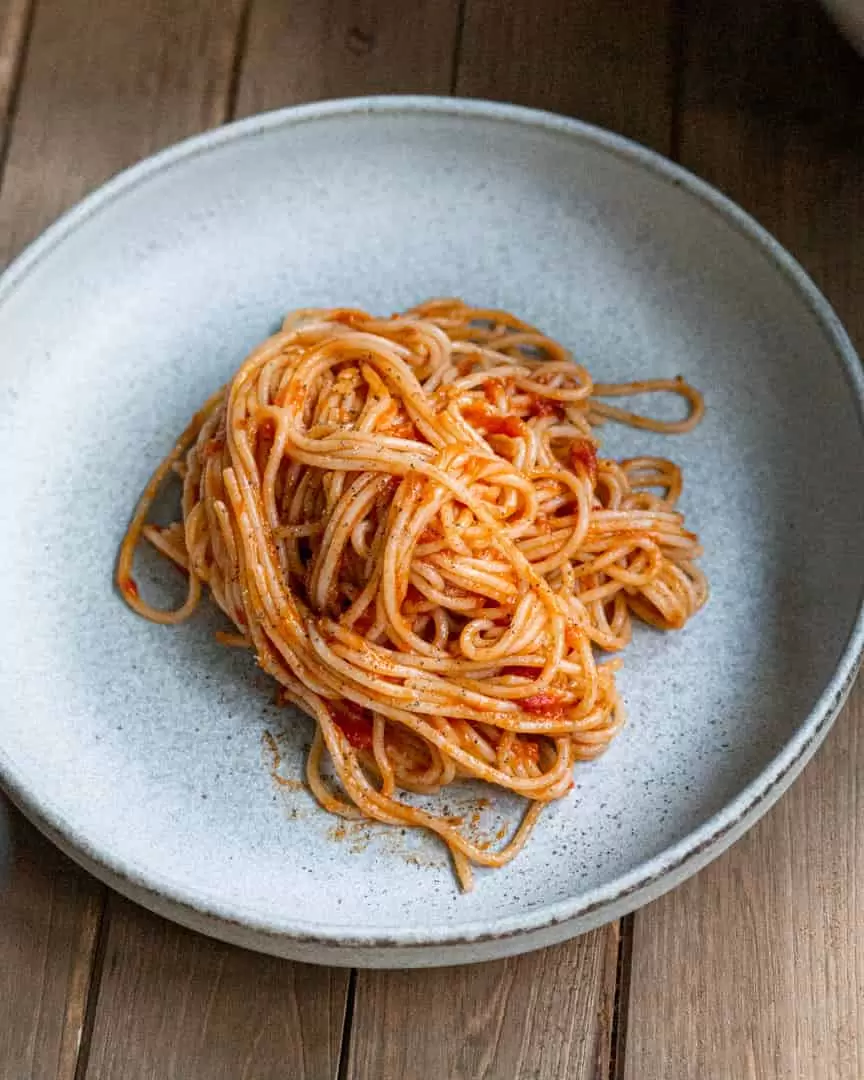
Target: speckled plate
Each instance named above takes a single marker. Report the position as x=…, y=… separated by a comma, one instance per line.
x=154, y=756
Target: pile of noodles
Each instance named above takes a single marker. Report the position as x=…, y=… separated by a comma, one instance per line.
x=408, y=521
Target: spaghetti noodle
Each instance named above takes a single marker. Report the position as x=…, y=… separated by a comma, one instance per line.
x=407, y=520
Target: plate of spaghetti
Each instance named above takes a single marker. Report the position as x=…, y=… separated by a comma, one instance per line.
x=433, y=529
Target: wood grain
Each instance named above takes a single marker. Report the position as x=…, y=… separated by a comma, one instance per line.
x=49, y=919
x=755, y=969
x=610, y=63
x=177, y=1006
x=547, y=1014
x=301, y=50
x=104, y=84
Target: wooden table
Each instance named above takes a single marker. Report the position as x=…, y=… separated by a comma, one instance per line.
x=755, y=968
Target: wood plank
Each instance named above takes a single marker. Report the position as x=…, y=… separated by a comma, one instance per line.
x=201, y=1008
x=50, y=913
x=179, y=1006
x=268, y=1013
x=105, y=84
x=547, y=1014
x=755, y=968
x=609, y=64
x=14, y=23
x=301, y=50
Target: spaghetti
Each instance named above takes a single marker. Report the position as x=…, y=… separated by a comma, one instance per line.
x=407, y=520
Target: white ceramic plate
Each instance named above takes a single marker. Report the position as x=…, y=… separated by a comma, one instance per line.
x=139, y=749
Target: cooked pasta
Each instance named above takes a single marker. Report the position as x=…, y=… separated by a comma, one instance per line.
x=408, y=521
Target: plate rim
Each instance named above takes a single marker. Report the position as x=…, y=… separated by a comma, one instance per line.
x=649, y=878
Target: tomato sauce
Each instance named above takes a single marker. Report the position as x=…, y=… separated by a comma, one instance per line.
x=354, y=722
x=527, y=751
x=583, y=454
x=545, y=701
x=493, y=423
x=130, y=588
x=541, y=406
